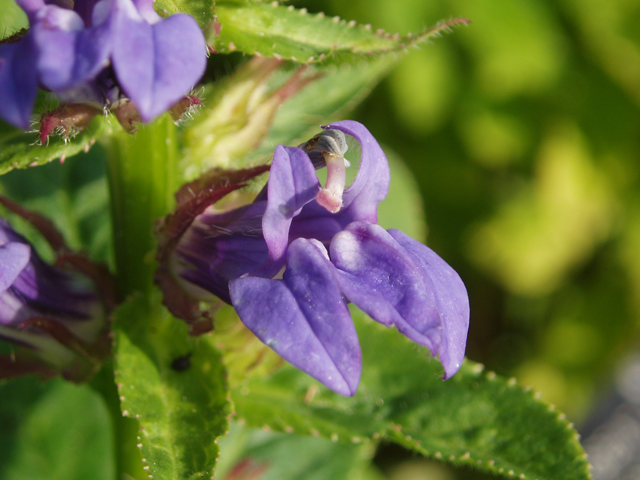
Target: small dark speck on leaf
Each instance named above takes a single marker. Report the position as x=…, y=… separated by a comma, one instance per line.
x=182, y=363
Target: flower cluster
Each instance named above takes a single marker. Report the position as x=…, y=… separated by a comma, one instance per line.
x=100, y=53
x=291, y=261
x=55, y=315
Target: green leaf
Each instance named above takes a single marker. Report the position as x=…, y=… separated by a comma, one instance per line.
x=278, y=456
x=475, y=418
x=181, y=405
x=201, y=10
x=19, y=149
x=57, y=431
x=273, y=30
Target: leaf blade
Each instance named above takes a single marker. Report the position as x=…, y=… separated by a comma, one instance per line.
x=474, y=419
x=182, y=406
x=273, y=30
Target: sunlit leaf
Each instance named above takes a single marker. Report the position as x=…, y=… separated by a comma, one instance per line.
x=273, y=30
x=201, y=10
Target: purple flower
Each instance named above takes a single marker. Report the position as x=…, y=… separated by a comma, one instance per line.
x=100, y=52
x=326, y=242
x=56, y=315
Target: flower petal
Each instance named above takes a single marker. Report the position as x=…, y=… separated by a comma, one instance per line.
x=18, y=81
x=371, y=185
x=218, y=248
x=157, y=64
x=360, y=200
x=30, y=7
x=292, y=184
x=380, y=276
x=14, y=257
x=69, y=54
x=304, y=317
x=451, y=299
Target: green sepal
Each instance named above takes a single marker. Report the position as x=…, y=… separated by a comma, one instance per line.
x=278, y=31
x=19, y=149
x=174, y=386
x=475, y=418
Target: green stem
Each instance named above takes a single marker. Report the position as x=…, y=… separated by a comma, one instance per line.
x=143, y=177
x=142, y=171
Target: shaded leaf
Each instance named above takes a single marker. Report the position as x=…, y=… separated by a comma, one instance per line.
x=277, y=456
x=336, y=91
x=174, y=386
x=74, y=195
x=55, y=411
x=474, y=418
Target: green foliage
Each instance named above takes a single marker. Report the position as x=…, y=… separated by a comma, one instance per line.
x=74, y=195
x=531, y=194
x=337, y=91
x=277, y=456
x=244, y=116
x=21, y=150
x=201, y=10
x=520, y=132
x=181, y=411
x=56, y=431
x=273, y=30
x=475, y=418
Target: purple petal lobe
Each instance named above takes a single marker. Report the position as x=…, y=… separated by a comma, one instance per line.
x=14, y=257
x=69, y=54
x=371, y=184
x=18, y=81
x=30, y=7
x=450, y=296
x=304, y=317
x=157, y=64
x=360, y=200
x=145, y=7
x=378, y=275
x=292, y=184
x=218, y=248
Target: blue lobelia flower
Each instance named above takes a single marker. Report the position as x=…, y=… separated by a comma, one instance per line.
x=291, y=261
x=55, y=315
x=100, y=52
